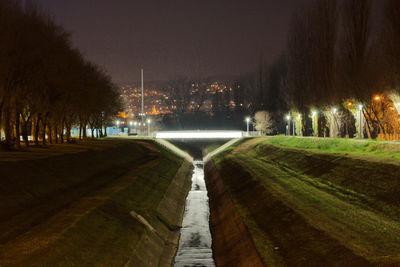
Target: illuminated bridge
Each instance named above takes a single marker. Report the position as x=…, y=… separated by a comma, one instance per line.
x=201, y=134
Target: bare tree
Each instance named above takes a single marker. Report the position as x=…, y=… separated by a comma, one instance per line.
x=264, y=122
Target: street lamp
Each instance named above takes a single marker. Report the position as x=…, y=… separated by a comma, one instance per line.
x=248, y=121
x=360, y=107
x=288, y=124
x=148, y=127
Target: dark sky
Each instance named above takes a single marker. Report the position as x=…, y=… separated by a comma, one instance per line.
x=175, y=37
x=172, y=37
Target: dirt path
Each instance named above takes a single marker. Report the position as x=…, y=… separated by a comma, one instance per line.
x=248, y=145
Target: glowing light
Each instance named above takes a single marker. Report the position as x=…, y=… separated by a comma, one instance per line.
x=148, y=121
x=117, y=122
x=360, y=107
x=199, y=134
x=248, y=119
x=334, y=111
x=314, y=113
x=299, y=116
x=288, y=117
x=130, y=123
x=349, y=104
x=377, y=98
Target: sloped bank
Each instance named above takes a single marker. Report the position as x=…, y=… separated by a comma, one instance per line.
x=232, y=244
x=306, y=208
x=157, y=247
x=119, y=205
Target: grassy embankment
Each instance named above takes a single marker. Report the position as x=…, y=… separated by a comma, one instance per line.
x=90, y=204
x=310, y=202
x=354, y=147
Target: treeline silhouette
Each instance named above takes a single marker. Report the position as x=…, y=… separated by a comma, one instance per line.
x=341, y=68
x=46, y=86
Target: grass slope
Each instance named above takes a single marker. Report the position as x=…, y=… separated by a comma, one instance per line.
x=371, y=148
x=75, y=208
x=306, y=208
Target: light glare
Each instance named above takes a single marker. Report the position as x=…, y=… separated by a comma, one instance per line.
x=199, y=135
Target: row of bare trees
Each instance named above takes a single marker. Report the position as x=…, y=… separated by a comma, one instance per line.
x=340, y=63
x=340, y=73
x=46, y=86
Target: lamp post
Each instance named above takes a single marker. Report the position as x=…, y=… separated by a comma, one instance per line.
x=288, y=125
x=248, y=121
x=360, y=110
x=148, y=127
x=293, y=121
x=135, y=123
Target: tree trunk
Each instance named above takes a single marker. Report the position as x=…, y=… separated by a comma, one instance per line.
x=44, y=132
x=7, y=126
x=62, y=131
x=56, y=132
x=68, y=129
x=25, y=134
x=17, y=130
x=84, y=134
x=368, y=120
x=37, y=125
x=50, y=133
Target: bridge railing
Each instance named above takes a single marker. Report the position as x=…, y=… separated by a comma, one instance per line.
x=251, y=133
x=199, y=134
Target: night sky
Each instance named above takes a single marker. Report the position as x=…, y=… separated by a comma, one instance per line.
x=169, y=38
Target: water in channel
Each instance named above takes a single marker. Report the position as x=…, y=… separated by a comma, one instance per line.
x=195, y=241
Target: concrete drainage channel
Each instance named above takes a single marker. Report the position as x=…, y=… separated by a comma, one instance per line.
x=195, y=241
